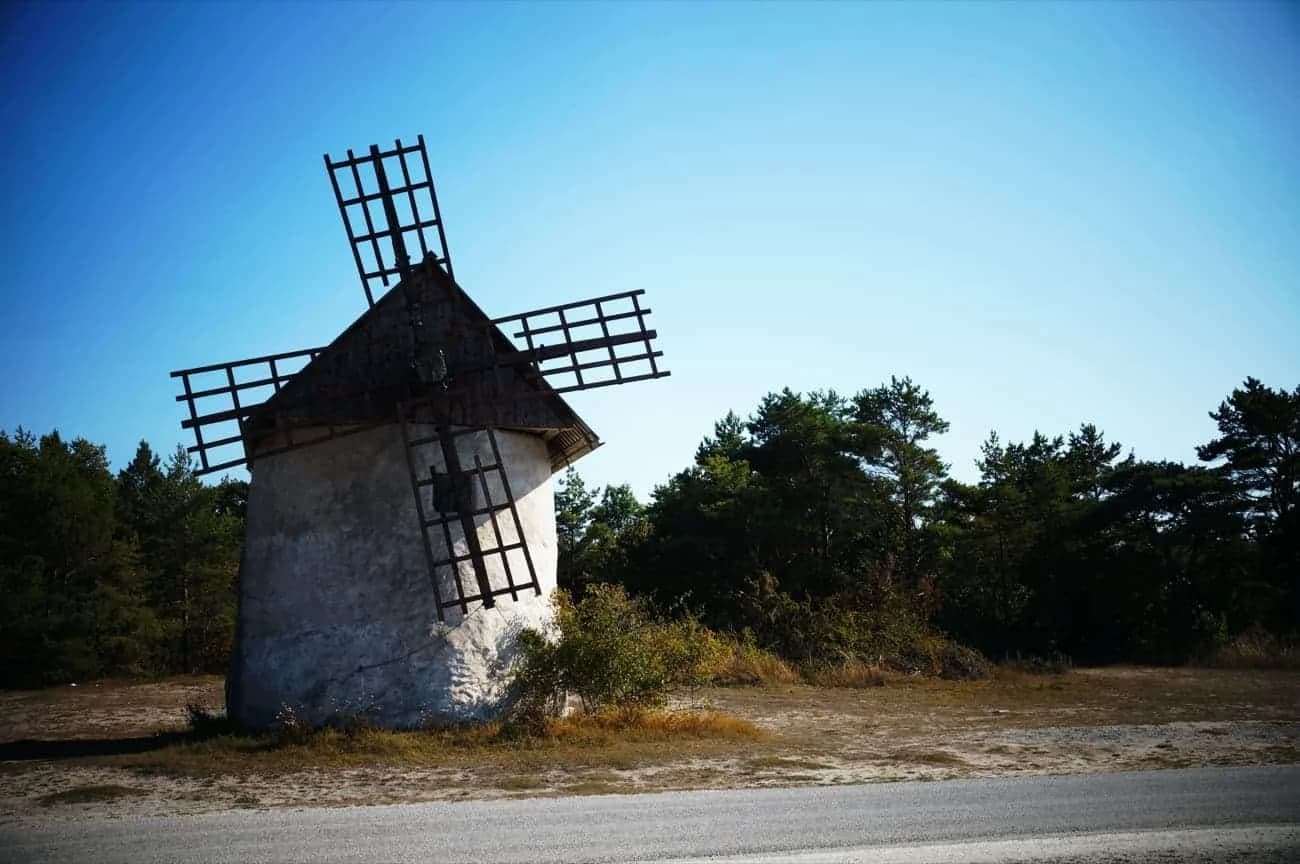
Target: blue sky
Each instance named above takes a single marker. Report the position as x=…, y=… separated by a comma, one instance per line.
x=1045, y=214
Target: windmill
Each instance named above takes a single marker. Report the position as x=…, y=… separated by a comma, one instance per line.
x=477, y=406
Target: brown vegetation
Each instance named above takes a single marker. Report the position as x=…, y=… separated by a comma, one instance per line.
x=1257, y=649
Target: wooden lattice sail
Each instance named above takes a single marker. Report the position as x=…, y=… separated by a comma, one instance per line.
x=423, y=355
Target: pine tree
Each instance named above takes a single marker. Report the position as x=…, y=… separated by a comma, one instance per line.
x=896, y=420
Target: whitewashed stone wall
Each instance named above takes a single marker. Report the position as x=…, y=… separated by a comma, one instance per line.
x=336, y=611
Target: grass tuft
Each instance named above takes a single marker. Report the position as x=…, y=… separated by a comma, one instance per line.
x=646, y=725
x=1257, y=650
x=89, y=794
x=751, y=666
x=853, y=674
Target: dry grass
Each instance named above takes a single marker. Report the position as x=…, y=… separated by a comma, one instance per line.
x=754, y=667
x=622, y=738
x=648, y=725
x=853, y=674
x=1258, y=651
x=748, y=666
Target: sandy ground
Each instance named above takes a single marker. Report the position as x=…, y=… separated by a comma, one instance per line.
x=1112, y=719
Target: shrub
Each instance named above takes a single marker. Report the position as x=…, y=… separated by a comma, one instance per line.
x=958, y=662
x=1257, y=649
x=751, y=665
x=693, y=655
x=608, y=652
x=863, y=628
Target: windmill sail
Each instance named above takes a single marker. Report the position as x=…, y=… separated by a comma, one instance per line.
x=384, y=237
x=426, y=358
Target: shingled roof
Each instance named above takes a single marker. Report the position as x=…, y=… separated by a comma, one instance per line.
x=359, y=378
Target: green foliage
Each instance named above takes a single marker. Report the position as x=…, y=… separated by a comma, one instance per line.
x=785, y=494
x=704, y=540
x=1259, y=443
x=607, y=650
x=821, y=528
x=896, y=420
x=573, y=505
x=827, y=529
x=750, y=664
x=693, y=654
x=1065, y=548
x=190, y=537
x=70, y=591
x=595, y=537
x=879, y=627
x=1258, y=452
x=108, y=576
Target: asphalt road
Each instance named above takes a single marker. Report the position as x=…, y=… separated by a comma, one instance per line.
x=960, y=820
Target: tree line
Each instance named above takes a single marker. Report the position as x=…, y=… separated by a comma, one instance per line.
x=827, y=527
x=103, y=574
x=822, y=527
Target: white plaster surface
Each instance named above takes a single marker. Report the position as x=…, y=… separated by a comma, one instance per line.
x=337, y=615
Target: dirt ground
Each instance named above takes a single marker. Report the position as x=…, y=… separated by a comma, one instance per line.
x=80, y=752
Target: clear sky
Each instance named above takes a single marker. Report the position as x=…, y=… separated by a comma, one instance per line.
x=1045, y=214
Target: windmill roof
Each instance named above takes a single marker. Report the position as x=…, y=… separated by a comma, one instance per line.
x=358, y=380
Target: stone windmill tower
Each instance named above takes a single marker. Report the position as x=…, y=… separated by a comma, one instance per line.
x=401, y=525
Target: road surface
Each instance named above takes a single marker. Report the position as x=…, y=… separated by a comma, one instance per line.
x=1030, y=818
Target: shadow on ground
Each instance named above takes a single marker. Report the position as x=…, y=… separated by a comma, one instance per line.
x=77, y=748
